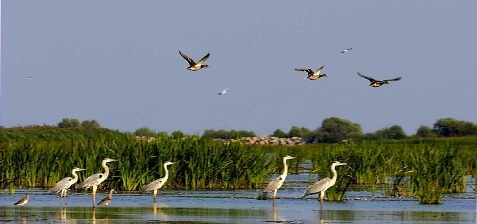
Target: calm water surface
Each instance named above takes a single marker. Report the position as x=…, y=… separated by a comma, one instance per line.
x=238, y=206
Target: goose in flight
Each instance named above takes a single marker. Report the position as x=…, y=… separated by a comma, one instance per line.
x=311, y=74
x=377, y=83
x=195, y=66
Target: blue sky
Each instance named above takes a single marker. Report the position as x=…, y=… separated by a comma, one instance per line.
x=117, y=62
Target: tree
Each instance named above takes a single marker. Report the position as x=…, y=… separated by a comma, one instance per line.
x=393, y=132
x=295, y=131
x=335, y=129
x=450, y=127
x=279, y=133
x=145, y=131
x=424, y=132
x=69, y=123
x=89, y=124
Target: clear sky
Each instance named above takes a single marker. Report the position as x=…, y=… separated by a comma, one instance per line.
x=117, y=62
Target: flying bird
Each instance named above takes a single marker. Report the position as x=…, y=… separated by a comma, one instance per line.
x=155, y=185
x=377, y=83
x=311, y=74
x=195, y=66
x=23, y=201
x=223, y=91
x=96, y=179
x=61, y=188
x=29, y=78
x=346, y=50
x=320, y=186
x=276, y=183
x=108, y=198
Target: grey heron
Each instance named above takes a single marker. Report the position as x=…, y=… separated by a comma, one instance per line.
x=346, y=50
x=153, y=186
x=108, y=198
x=377, y=83
x=320, y=186
x=96, y=179
x=62, y=186
x=195, y=66
x=23, y=201
x=276, y=183
x=312, y=75
x=223, y=91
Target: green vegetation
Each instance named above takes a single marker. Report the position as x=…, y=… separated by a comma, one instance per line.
x=425, y=167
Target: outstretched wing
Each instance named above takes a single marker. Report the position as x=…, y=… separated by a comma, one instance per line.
x=203, y=59
x=318, y=186
x=319, y=70
x=189, y=60
x=368, y=78
x=395, y=79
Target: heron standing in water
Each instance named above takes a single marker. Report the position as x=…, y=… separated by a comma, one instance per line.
x=96, y=179
x=155, y=185
x=276, y=183
x=320, y=186
x=61, y=188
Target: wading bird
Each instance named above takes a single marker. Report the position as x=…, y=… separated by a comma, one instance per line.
x=195, y=66
x=223, y=91
x=153, y=186
x=23, y=201
x=107, y=199
x=320, y=186
x=96, y=179
x=377, y=83
x=61, y=188
x=275, y=184
x=311, y=74
x=346, y=50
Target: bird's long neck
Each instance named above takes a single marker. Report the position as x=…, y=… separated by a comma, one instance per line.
x=285, y=169
x=75, y=176
x=335, y=176
x=106, y=170
x=110, y=194
x=167, y=171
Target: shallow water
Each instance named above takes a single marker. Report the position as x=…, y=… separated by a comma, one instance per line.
x=238, y=206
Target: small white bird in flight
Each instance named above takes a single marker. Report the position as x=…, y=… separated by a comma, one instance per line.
x=223, y=91
x=29, y=78
x=346, y=50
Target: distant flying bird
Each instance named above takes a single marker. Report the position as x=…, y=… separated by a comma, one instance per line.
x=108, y=198
x=346, y=50
x=23, y=201
x=158, y=183
x=377, y=83
x=276, y=183
x=223, y=91
x=320, y=186
x=311, y=74
x=29, y=78
x=195, y=66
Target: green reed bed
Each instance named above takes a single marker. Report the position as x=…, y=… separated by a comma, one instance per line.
x=201, y=163
x=430, y=169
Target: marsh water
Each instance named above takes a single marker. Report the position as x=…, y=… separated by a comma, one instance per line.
x=235, y=206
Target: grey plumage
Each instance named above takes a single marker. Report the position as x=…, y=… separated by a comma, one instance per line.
x=62, y=186
x=320, y=186
x=276, y=183
x=96, y=179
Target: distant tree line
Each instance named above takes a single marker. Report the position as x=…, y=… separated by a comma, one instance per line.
x=335, y=129
x=332, y=130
